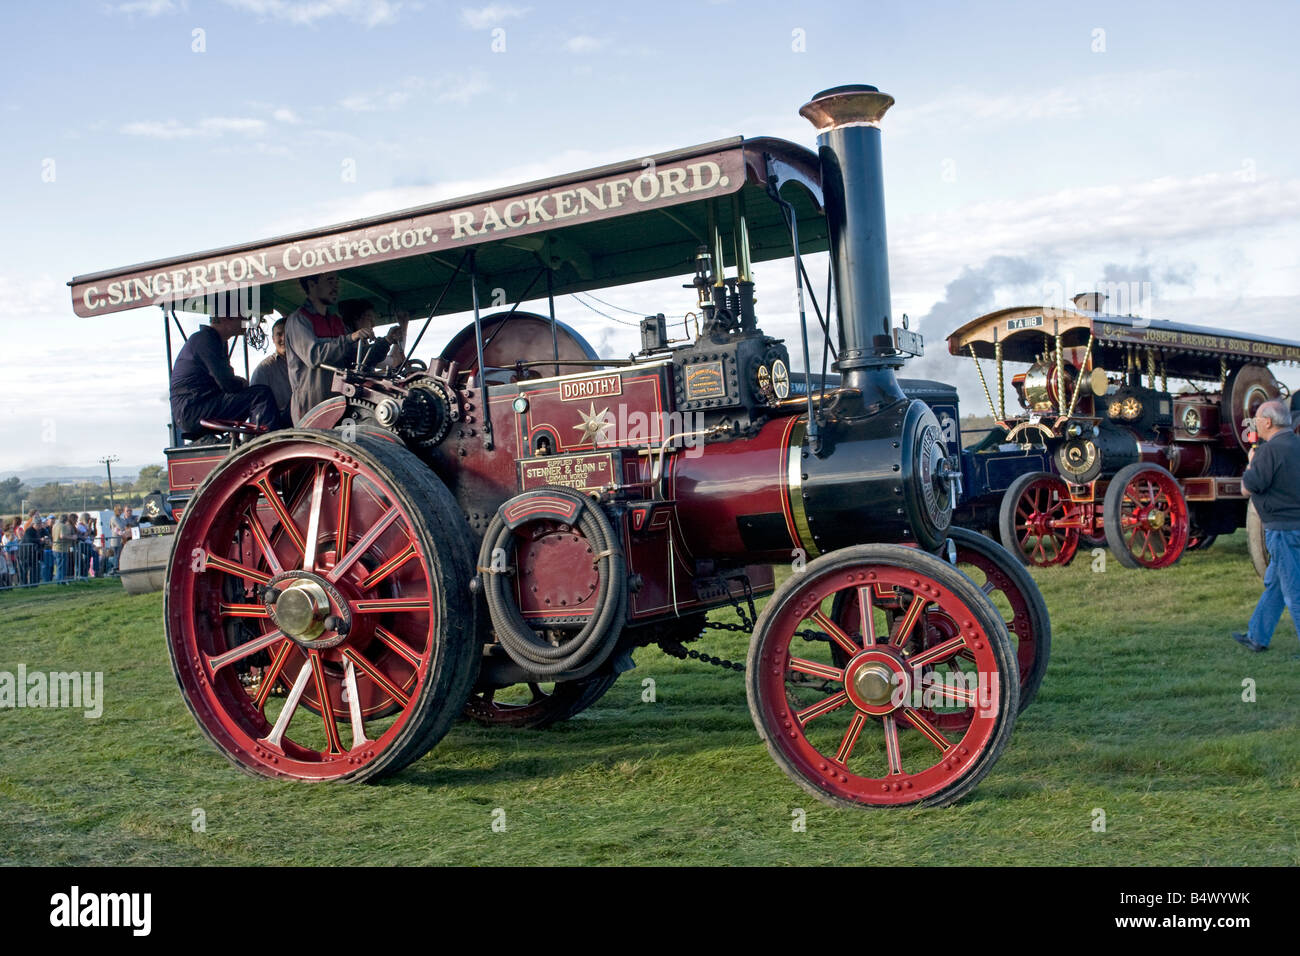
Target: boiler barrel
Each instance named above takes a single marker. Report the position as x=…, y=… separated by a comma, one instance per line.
x=761, y=498
x=143, y=566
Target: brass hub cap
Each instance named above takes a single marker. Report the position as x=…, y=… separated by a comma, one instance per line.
x=877, y=681
x=873, y=684
x=301, y=610
x=1155, y=519
x=308, y=609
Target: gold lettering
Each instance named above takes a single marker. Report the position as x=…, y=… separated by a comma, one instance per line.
x=462, y=224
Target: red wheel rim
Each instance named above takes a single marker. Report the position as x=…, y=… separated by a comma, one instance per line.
x=1047, y=523
x=276, y=522
x=1153, y=519
x=830, y=721
x=994, y=581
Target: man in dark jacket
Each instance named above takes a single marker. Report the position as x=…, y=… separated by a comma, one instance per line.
x=204, y=385
x=1272, y=480
x=29, y=551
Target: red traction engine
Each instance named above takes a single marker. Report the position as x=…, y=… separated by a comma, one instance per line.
x=521, y=513
x=1103, y=451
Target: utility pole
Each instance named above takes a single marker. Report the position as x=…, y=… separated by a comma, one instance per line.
x=107, y=462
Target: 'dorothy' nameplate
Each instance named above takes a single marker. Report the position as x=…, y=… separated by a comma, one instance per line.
x=580, y=472
x=591, y=388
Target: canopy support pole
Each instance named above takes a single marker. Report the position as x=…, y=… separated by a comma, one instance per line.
x=513, y=308
x=179, y=328
x=813, y=433
x=171, y=419
x=441, y=295
x=816, y=308
x=550, y=301
x=478, y=342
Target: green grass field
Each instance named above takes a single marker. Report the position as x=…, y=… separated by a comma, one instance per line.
x=1141, y=716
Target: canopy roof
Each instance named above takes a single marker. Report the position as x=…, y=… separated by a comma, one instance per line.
x=626, y=222
x=1186, y=351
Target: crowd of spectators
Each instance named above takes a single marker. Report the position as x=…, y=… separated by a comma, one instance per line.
x=62, y=547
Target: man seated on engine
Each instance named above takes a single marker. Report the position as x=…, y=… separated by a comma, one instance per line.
x=315, y=338
x=273, y=371
x=203, y=385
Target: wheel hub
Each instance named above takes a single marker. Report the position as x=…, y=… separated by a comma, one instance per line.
x=877, y=681
x=1155, y=519
x=308, y=609
x=301, y=610
x=873, y=684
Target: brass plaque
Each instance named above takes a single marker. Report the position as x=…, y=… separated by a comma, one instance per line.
x=580, y=472
x=704, y=380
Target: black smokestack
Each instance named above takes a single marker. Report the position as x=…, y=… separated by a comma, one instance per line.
x=848, y=140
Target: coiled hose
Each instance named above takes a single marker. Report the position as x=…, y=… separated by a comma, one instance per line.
x=591, y=646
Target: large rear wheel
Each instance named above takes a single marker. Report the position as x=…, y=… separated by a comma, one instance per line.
x=343, y=567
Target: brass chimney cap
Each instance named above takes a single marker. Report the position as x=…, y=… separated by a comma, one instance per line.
x=855, y=104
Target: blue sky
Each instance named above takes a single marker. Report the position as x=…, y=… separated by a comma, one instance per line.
x=1033, y=146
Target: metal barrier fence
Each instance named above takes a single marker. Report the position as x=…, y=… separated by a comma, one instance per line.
x=26, y=565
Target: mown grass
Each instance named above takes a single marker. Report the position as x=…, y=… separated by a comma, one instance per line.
x=1141, y=716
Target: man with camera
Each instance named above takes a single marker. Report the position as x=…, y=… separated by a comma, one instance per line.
x=1272, y=481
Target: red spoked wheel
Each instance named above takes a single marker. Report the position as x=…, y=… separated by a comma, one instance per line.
x=1011, y=589
x=536, y=705
x=1013, y=592
x=347, y=565
x=1147, y=523
x=1038, y=522
x=925, y=698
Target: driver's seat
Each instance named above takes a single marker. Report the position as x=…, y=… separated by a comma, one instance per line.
x=216, y=430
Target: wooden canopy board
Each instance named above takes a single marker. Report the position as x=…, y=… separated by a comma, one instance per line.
x=1185, y=351
x=627, y=222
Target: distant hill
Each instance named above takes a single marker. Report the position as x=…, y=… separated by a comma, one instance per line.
x=72, y=474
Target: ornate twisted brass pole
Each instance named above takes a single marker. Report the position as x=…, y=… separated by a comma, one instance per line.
x=980, y=372
x=1002, y=400
x=1060, y=370
x=1078, y=382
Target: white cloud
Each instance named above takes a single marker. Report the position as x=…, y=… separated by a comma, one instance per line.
x=379, y=201
x=1108, y=93
x=25, y=296
x=285, y=115
x=209, y=128
x=372, y=13
x=145, y=8
x=584, y=44
x=484, y=18
x=1072, y=222
x=461, y=89
x=456, y=89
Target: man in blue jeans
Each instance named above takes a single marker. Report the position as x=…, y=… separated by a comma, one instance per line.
x=1272, y=480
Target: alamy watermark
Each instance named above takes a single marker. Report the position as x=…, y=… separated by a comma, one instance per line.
x=948, y=690
x=77, y=690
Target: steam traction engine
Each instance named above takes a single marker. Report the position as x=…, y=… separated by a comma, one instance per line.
x=520, y=512
x=1101, y=451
